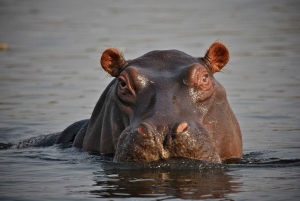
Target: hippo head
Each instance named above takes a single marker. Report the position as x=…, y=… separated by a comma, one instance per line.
x=164, y=104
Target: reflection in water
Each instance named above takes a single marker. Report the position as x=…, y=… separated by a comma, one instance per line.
x=180, y=178
x=186, y=184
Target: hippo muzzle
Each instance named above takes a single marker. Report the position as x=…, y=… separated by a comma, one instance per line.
x=164, y=104
x=149, y=143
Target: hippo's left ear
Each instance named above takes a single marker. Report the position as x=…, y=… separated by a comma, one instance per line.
x=217, y=56
x=113, y=62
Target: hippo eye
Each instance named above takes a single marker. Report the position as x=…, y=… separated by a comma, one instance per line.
x=122, y=83
x=125, y=91
x=205, y=78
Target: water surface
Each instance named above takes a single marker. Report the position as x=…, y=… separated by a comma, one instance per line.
x=50, y=77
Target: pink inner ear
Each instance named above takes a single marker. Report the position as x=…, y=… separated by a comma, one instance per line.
x=112, y=61
x=218, y=56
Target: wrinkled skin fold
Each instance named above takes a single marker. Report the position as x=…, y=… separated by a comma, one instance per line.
x=164, y=104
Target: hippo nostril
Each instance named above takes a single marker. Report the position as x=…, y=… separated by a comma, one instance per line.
x=183, y=126
x=145, y=129
x=142, y=130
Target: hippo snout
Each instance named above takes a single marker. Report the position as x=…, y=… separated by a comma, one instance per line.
x=147, y=143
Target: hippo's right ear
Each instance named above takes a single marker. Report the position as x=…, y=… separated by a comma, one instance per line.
x=113, y=62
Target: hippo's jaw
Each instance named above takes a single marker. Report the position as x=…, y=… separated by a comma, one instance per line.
x=147, y=143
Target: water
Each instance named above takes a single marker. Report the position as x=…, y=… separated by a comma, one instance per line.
x=50, y=77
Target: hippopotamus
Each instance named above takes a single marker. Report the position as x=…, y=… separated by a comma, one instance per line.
x=162, y=105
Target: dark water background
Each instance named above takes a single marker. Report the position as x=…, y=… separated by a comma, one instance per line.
x=50, y=77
